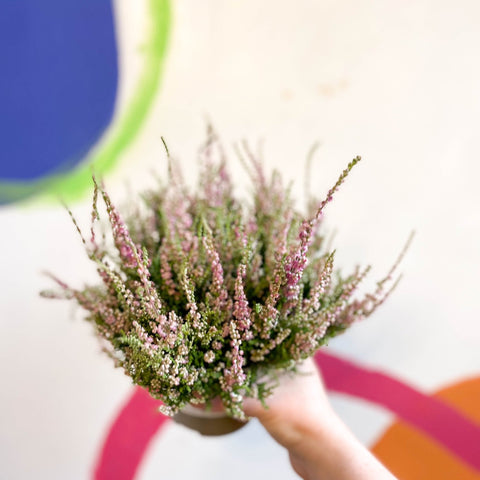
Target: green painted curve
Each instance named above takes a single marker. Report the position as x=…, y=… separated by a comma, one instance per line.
x=70, y=186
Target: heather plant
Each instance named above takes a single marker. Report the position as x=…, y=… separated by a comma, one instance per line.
x=203, y=295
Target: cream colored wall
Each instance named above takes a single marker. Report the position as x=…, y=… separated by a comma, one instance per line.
x=396, y=82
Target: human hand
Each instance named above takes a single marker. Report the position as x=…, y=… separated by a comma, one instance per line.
x=297, y=406
x=320, y=446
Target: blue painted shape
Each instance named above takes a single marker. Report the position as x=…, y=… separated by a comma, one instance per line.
x=58, y=83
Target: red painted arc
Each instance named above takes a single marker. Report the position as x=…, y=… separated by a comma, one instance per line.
x=138, y=421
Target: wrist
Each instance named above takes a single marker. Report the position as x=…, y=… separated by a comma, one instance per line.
x=330, y=452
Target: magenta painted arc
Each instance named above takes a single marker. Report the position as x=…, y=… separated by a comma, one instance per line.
x=440, y=421
x=128, y=437
x=138, y=421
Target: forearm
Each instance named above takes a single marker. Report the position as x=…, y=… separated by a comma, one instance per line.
x=331, y=452
x=320, y=445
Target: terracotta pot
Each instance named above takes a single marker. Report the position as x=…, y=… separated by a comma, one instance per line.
x=211, y=422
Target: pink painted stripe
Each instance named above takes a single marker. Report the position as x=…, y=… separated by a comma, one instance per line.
x=128, y=437
x=432, y=416
x=139, y=420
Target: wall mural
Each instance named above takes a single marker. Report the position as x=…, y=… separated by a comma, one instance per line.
x=442, y=430
x=59, y=100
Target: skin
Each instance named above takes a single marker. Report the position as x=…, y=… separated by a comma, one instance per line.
x=320, y=446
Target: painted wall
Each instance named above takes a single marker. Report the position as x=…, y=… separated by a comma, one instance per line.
x=97, y=84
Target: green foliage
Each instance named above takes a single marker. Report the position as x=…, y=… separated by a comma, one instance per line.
x=205, y=296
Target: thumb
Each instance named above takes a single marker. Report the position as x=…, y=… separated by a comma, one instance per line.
x=253, y=408
x=281, y=428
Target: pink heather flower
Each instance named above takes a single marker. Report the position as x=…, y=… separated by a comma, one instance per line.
x=191, y=305
x=218, y=288
x=167, y=274
x=269, y=313
x=205, y=295
x=179, y=220
x=121, y=236
x=297, y=261
x=312, y=303
x=241, y=310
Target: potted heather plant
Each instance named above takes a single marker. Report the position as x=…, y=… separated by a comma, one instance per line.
x=204, y=299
